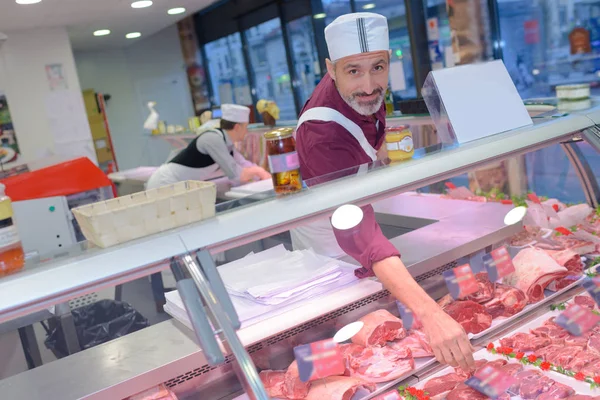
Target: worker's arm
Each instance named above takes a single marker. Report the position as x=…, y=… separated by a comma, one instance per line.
x=258, y=171
x=447, y=337
x=212, y=143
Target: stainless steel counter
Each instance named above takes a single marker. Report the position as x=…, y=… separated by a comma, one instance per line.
x=166, y=351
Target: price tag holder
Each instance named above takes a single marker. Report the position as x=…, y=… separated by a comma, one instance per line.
x=498, y=264
x=319, y=360
x=406, y=315
x=592, y=285
x=577, y=320
x=461, y=281
x=490, y=381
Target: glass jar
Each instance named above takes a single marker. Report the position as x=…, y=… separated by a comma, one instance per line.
x=399, y=143
x=12, y=257
x=283, y=160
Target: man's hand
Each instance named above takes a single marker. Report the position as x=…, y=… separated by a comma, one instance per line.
x=254, y=173
x=448, y=339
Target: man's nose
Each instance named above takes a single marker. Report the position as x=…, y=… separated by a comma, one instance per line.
x=369, y=84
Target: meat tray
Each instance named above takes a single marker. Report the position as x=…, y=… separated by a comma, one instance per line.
x=483, y=354
x=498, y=323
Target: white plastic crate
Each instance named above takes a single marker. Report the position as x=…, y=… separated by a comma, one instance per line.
x=125, y=218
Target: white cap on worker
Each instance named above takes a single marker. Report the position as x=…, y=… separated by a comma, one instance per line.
x=357, y=33
x=235, y=113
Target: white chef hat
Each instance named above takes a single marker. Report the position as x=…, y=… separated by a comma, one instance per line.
x=235, y=113
x=357, y=33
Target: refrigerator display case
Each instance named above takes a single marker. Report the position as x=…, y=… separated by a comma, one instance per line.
x=556, y=157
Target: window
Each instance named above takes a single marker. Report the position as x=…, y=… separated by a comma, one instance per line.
x=304, y=56
x=272, y=77
x=228, y=76
x=402, y=80
x=536, y=47
x=334, y=8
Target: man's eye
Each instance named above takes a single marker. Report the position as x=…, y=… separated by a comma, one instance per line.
x=353, y=72
x=379, y=68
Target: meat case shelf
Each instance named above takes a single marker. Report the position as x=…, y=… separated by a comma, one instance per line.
x=168, y=353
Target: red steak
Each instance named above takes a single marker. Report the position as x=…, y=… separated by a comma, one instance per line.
x=485, y=291
x=379, y=328
x=582, y=359
x=557, y=391
x=585, y=301
x=442, y=384
x=472, y=316
x=507, y=301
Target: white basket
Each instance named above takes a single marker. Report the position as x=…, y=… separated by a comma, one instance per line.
x=125, y=218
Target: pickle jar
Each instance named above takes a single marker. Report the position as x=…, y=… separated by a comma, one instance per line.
x=283, y=160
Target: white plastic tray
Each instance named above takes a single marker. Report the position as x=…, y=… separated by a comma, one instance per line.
x=579, y=387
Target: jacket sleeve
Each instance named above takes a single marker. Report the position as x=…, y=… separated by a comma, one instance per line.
x=366, y=243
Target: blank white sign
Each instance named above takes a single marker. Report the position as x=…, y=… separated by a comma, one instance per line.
x=481, y=100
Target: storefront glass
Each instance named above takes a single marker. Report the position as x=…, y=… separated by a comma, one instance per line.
x=536, y=46
x=268, y=64
x=402, y=79
x=228, y=76
x=304, y=56
x=333, y=9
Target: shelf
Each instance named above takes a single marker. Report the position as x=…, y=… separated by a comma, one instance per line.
x=165, y=351
x=40, y=286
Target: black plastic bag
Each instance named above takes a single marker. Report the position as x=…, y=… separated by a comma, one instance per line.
x=95, y=324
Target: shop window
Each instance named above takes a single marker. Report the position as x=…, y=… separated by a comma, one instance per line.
x=228, y=76
x=272, y=76
x=333, y=9
x=304, y=56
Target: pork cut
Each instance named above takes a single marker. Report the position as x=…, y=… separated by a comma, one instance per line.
x=337, y=388
x=417, y=342
x=294, y=388
x=534, y=387
x=273, y=381
x=471, y=316
x=557, y=391
x=485, y=291
x=577, y=341
x=525, y=342
x=524, y=376
x=576, y=245
x=377, y=364
x=547, y=353
x=563, y=357
x=585, y=301
x=379, y=328
x=593, y=344
x=582, y=359
x=568, y=259
x=534, y=270
x=507, y=301
x=442, y=385
x=464, y=392
x=592, y=369
x=582, y=397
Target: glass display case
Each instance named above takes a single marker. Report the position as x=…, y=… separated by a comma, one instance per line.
x=433, y=229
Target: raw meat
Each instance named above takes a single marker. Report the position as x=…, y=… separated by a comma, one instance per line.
x=485, y=291
x=576, y=245
x=557, y=391
x=592, y=369
x=531, y=389
x=380, y=327
x=534, y=270
x=417, y=342
x=377, y=364
x=585, y=301
x=547, y=353
x=577, y=341
x=464, y=392
x=445, y=301
x=582, y=359
x=527, y=236
x=507, y=301
x=273, y=382
x=593, y=344
x=582, y=397
x=337, y=388
x=294, y=388
x=560, y=284
x=568, y=259
x=563, y=357
x=525, y=342
x=472, y=316
x=512, y=369
x=442, y=384
x=522, y=377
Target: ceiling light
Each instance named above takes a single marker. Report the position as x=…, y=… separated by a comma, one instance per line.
x=535, y=71
x=176, y=10
x=133, y=35
x=369, y=6
x=102, y=32
x=27, y=1
x=319, y=16
x=141, y=4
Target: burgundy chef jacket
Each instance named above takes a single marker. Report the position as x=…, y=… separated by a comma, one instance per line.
x=326, y=147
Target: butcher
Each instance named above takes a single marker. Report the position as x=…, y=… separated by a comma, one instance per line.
x=342, y=126
x=211, y=154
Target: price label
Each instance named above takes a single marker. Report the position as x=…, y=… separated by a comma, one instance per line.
x=577, y=320
x=490, y=381
x=498, y=264
x=406, y=315
x=534, y=198
x=319, y=360
x=461, y=281
x=592, y=285
x=389, y=396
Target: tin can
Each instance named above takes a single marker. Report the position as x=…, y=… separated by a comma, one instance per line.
x=283, y=160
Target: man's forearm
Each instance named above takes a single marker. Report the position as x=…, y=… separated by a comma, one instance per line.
x=395, y=277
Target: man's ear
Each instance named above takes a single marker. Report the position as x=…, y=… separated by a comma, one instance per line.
x=330, y=68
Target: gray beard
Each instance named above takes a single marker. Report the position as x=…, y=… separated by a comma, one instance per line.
x=366, y=110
